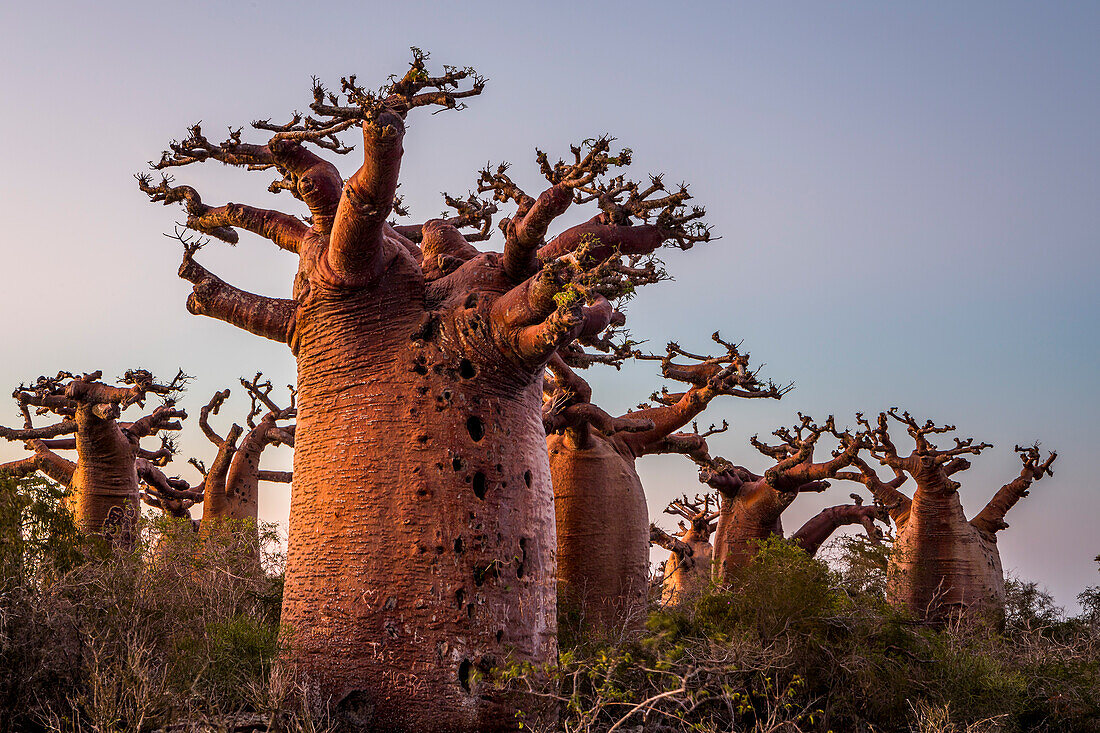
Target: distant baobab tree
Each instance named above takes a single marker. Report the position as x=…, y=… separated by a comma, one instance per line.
x=421, y=529
x=103, y=481
x=602, y=516
x=941, y=564
x=752, y=504
x=687, y=571
x=230, y=487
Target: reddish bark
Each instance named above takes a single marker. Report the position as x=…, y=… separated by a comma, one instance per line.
x=421, y=542
x=813, y=534
x=942, y=565
x=103, y=481
x=230, y=488
x=751, y=504
x=602, y=518
x=687, y=572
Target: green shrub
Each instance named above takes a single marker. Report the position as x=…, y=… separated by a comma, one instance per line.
x=792, y=645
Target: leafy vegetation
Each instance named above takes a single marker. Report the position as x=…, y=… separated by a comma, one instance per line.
x=92, y=640
x=794, y=645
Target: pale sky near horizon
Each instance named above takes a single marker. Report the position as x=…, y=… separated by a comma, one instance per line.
x=907, y=196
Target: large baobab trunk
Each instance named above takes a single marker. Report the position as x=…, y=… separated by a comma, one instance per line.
x=421, y=541
x=602, y=525
x=602, y=517
x=421, y=548
x=943, y=566
x=103, y=482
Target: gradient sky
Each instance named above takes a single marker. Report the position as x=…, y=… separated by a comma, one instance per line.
x=908, y=197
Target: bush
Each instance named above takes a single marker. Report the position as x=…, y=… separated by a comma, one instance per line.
x=101, y=640
x=791, y=645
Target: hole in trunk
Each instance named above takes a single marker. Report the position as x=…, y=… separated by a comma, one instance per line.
x=456, y=463
x=479, y=485
x=521, y=566
x=475, y=427
x=458, y=544
x=500, y=635
x=527, y=478
x=460, y=597
x=482, y=572
x=466, y=369
x=464, y=674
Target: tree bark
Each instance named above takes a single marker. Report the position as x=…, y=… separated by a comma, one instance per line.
x=421, y=542
x=744, y=519
x=941, y=565
x=603, y=530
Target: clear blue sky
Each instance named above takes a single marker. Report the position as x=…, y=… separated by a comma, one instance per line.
x=907, y=196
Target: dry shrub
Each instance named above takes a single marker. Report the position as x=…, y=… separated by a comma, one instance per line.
x=177, y=631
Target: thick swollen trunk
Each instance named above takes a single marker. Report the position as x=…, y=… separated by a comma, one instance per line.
x=741, y=525
x=941, y=565
x=603, y=531
x=421, y=545
x=687, y=574
x=104, y=492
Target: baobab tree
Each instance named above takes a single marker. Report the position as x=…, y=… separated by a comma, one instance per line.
x=687, y=571
x=602, y=517
x=752, y=504
x=941, y=564
x=103, y=480
x=230, y=487
x=421, y=546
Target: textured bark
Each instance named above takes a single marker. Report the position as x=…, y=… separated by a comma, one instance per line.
x=943, y=566
x=421, y=548
x=602, y=529
x=421, y=545
x=103, y=482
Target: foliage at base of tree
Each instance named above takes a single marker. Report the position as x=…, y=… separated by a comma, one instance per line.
x=181, y=634
x=99, y=640
x=793, y=645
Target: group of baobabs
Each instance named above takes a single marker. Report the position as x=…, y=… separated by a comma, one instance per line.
x=451, y=469
x=941, y=563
